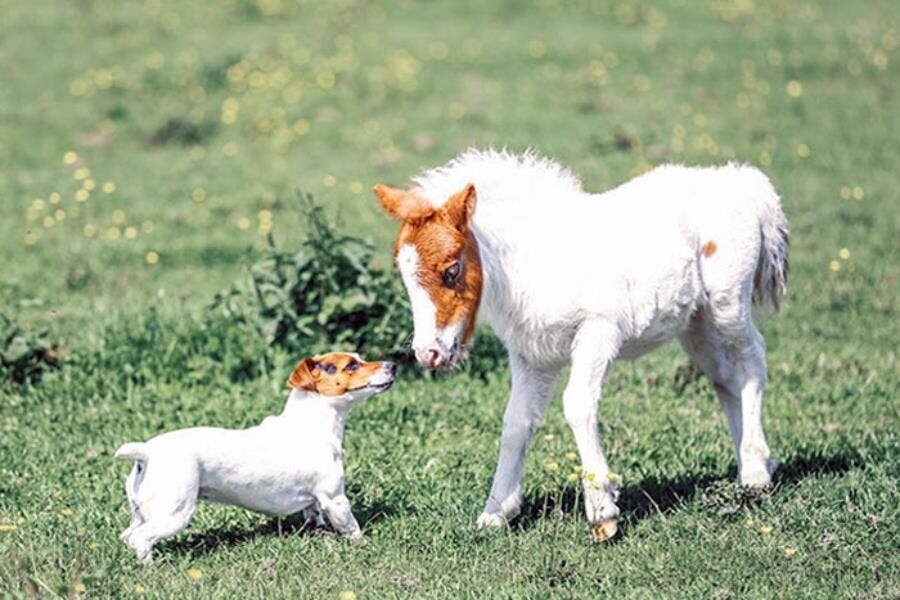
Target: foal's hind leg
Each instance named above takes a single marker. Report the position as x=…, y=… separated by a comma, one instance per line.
x=733, y=356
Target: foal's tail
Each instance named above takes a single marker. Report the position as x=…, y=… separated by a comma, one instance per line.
x=770, y=279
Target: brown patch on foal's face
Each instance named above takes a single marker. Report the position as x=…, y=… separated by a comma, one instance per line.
x=336, y=373
x=449, y=265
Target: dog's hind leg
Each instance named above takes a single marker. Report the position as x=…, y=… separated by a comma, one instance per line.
x=131, y=486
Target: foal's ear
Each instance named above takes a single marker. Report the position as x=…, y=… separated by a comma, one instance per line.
x=302, y=378
x=460, y=207
x=402, y=204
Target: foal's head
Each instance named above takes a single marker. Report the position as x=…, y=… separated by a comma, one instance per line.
x=437, y=255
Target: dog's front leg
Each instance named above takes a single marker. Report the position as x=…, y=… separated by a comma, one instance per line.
x=337, y=510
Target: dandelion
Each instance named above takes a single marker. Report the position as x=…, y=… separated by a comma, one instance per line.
x=571, y=456
x=82, y=195
x=858, y=193
x=81, y=173
x=198, y=195
x=88, y=184
x=59, y=215
x=329, y=181
x=7, y=527
x=835, y=266
x=79, y=588
x=590, y=476
x=49, y=221
x=69, y=158
x=195, y=574
x=109, y=187
x=131, y=232
x=846, y=192
x=844, y=253
x=766, y=529
x=577, y=469
x=572, y=477
x=138, y=589
x=802, y=150
x=347, y=595
x=37, y=204
x=794, y=89
x=152, y=258
x=612, y=476
x=549, y=437
x=789, y=551
x=147, y=226
x=113, y=233
x=66, y=512
x=355, y=187
x=552, y=466
x=243, y=223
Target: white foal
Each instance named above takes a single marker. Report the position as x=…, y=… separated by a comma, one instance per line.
x=565, y=277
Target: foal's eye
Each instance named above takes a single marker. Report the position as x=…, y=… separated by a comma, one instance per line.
x=329, y=368
x=352, y=366
x=451, y=274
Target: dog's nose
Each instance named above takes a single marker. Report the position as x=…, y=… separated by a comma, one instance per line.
x=391, y=368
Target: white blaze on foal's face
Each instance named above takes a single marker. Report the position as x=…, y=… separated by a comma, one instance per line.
x=438, y=259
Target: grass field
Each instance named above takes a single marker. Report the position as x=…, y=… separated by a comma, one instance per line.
x=148, y=149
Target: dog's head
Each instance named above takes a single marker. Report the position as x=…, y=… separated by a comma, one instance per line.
x=342, y=375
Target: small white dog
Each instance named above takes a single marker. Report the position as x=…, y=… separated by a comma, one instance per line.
x=287, y=463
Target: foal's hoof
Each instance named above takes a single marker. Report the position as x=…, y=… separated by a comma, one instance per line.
x=604, y=530
x=491, y=521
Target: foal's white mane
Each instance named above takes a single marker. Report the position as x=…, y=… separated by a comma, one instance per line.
x=498, y=175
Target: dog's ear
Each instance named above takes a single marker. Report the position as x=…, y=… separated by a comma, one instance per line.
x=402, y=204
x=302, y=377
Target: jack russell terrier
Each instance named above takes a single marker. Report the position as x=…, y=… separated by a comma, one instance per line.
x=287, y=463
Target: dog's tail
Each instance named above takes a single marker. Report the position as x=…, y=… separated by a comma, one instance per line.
x=770, y=279
x=132, y=451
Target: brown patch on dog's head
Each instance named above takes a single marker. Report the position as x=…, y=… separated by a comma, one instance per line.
x=336, y=373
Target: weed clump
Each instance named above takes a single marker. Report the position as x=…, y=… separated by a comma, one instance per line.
x=25, y=355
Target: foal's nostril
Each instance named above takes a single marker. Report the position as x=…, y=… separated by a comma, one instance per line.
x=432, y=356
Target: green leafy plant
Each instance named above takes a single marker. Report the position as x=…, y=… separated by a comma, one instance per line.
x=25, y=355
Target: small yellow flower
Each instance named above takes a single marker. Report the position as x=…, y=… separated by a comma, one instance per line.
x=147, y=226
x=356, y=187
x=347, y=595
x=846, y=192
x=329, y=181
x=794, y=89
x=571, y=456
x=835, y=266
x=82, y=195
x=88, y=184
x=54, y=198
x=81, y=173
x=549, y=437
x=612, y=476
x=551, y=466
x=139, y=589
x=803, y=151
x=577, y=469
x=49, y=221
x=572, y=477
x=113, y=233
x=89, y=231
x=590, y=476
x=790, y=551
x=69, y=158
x=765, y=529
x=195, y=574
x=66, y=512
x=243, y=223
x=844, y=253
x=131, y=232
x=198, y=195
x=858, y=193
x=5, y=527
x=109, y=187
x=152, y=258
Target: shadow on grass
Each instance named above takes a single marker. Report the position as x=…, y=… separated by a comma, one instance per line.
x=209, y=541
x=718, y=493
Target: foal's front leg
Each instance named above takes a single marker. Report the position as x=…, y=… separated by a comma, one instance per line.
x=594, y=348
x=530, y=393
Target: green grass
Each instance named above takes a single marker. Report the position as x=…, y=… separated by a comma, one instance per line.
x=385, y=90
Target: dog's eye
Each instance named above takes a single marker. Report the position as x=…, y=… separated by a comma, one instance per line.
x=451, y=274
x=329, y=368
x=352, y=366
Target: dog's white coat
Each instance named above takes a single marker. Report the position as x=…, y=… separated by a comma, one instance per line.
x=289, y=463
x=580, y=279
